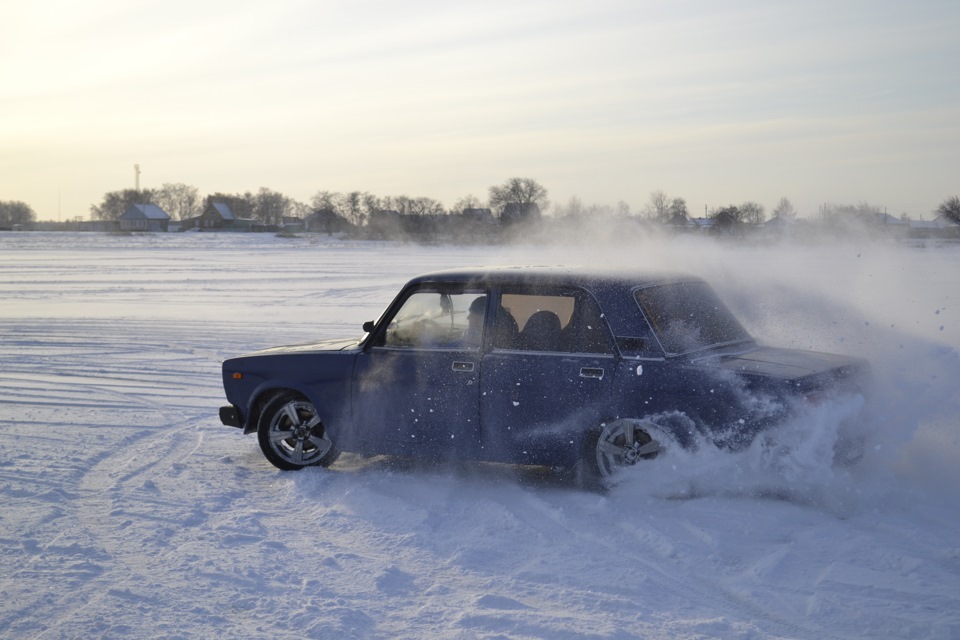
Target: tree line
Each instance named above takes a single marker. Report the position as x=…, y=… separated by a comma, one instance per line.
x=515, y=196
x=269, y=207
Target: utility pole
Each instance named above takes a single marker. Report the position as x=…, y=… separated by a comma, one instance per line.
x=136, y=177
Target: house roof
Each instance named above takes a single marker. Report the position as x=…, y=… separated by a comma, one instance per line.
x=224, y=210
x=144, y=211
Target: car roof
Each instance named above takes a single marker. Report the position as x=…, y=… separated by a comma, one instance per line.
x=591, y=278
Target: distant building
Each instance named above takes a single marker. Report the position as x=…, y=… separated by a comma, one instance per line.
x=144, y=217
x=292, y=224
x=940, y=227
x=326, y=221
x=704, y=225
x=217, y=216
x=479, y=215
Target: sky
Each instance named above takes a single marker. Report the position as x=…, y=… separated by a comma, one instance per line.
x=840, y=101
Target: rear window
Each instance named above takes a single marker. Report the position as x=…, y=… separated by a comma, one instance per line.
x=688, y=317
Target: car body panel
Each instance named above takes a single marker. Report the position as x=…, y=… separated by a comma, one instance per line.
x=534, y=405
x=406, y=402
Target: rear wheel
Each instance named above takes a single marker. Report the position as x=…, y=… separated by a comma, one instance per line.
x=291, y=435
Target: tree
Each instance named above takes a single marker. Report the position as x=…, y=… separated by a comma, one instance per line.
x=327, y=201
x=116, y=202
x=751, y=213
x=270, y=207
x=469, y=201
x=180, y=201
x=300, y=209
x=784, y=209
x=371, y=205
x=525, y=192
x=950, y=209
x=727, y=219
x=658, y=207
x=353, y=209
x=677, y=212
x=408, y=206
x=15, y=212
x=573, y=209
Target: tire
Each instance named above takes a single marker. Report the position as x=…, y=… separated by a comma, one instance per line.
x=613, y=446
x=291, y=435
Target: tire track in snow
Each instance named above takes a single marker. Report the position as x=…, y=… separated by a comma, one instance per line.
x=140, y=434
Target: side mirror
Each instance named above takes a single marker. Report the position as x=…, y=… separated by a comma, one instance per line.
x=368, y=326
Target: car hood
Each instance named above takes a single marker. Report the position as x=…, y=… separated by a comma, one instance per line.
x=787, y=364
x=337, y=344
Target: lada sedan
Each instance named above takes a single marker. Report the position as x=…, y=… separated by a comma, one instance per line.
x=567, y=368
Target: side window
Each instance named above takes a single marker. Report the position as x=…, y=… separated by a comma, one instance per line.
x=561, y=322
x=438, y=320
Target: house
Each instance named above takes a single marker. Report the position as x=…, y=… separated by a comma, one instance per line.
x=217, y=215
x=326, y=221
x=144, y=217
x=940, y=227
x=292, y=224
x=479, y=215
x=703, y=225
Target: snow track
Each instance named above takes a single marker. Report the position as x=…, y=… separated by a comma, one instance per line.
x=129, y=511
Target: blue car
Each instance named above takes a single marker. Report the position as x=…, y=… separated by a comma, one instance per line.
x=590, y=371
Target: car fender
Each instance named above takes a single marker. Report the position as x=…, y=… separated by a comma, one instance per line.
x=329, y=398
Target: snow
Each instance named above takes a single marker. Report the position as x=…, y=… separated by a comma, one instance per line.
x=129, y=511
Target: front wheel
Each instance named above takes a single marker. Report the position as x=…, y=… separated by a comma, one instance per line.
x=618, y=444
x=291, y=435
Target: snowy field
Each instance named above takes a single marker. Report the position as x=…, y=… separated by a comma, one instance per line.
x=129, y=511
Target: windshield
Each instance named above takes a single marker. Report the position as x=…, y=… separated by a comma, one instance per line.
x=688, y=316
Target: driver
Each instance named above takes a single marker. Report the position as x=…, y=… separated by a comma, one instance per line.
x=471, y=337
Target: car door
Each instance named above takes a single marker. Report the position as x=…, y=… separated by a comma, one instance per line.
x=549, y=373
x=416, y=386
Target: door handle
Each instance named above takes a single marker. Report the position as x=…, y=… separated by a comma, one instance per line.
x=591, y=372
x=463, y=366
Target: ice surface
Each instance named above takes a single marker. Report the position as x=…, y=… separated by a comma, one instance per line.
x=129, y=511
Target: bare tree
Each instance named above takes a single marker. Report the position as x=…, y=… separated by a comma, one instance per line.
x=352, y=208
x=751, y=212
x=270, y=207
x=784, y=209
x=180, y=201
x=300, y=209
x=573, y=208
x=116, y=202
x=469, y=201
x=15, y=212
x=658, y=207
x=950, y=209
x=327, y=201
x=677, y=212
x=727, y=219
x=371, y=205
x=424, y=206
x=525, y=192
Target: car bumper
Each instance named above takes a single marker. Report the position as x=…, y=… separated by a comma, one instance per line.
x=230, y=416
